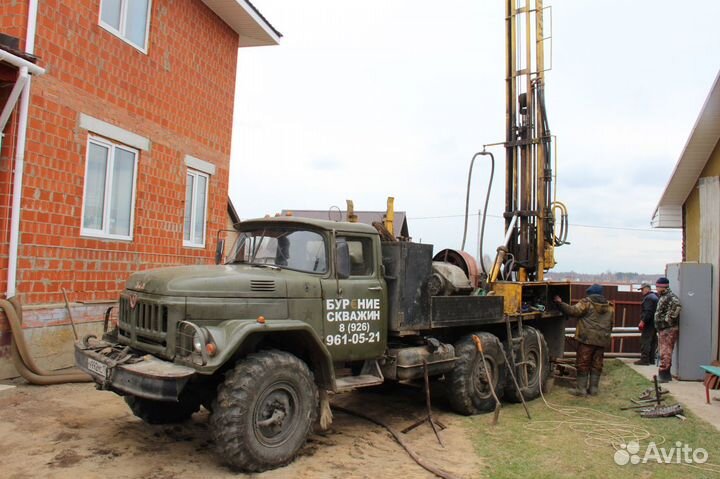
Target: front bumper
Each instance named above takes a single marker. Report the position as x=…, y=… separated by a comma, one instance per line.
x=115, y=368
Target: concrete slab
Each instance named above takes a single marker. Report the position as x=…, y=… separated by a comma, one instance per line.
x=691, y=394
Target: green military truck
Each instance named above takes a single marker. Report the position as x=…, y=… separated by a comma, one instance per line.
x=304, y=308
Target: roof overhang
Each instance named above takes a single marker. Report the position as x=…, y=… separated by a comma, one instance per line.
x=252, y=28
x=700, y=145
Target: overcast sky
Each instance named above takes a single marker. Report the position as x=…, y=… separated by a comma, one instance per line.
x=369, y=99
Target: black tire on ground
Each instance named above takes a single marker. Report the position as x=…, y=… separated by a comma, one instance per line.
x=162, y=412
x=468, y=388
x=530, y=383
x=264, y=411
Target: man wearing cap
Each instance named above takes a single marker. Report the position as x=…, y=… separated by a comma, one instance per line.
x=648, y=335
x=667, y=317
x=595, y=321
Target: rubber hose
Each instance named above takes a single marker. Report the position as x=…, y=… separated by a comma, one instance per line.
x=25, y=363
x=30, y=363
x=485, y=208
x=39, y=380
x=399, y=439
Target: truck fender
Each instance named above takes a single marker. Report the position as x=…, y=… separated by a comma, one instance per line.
x=237, y=338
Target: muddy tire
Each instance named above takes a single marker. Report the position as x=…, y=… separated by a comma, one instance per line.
x=468, y=387
x=264, y=411
x=162, y=412
x=529, y=384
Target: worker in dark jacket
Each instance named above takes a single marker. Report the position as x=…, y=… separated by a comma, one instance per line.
x=667, y=318
x=594, y=327
x=648, y=334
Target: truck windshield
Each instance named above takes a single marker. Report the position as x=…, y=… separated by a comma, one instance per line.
x=281, y=247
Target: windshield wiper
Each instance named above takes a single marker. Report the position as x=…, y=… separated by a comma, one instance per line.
x=264, y=265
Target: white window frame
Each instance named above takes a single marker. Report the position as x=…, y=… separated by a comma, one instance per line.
x=121, y=33
x=104, y=233
x=196, y=174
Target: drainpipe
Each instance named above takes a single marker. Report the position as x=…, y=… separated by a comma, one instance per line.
x=20, y=155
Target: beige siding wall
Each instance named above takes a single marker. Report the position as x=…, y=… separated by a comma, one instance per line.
x=692, y=209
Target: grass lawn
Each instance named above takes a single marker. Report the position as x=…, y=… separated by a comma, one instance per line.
x=558, y=450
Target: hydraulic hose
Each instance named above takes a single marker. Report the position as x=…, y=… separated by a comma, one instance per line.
x=485, y=208
x=24, y=362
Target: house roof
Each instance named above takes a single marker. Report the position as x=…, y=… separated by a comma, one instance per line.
x=366, y=217
x=232, y=212
x=701, y=143
x=253, y=29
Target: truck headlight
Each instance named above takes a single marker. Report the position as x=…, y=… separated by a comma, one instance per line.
x=198, y=343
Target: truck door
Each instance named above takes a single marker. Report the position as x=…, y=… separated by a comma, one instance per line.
x=355, y=308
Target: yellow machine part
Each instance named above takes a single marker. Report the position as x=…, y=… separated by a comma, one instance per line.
x=512, y=296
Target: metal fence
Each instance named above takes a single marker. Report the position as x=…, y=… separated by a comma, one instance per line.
x=625, y=334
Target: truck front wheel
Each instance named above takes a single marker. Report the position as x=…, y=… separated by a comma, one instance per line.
x=469, y=386
x=162, y=412
x=264, y=411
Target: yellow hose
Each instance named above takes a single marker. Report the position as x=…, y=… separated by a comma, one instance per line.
x=24, y=362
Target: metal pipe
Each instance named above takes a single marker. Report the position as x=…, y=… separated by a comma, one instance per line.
x=613, y=335
x=21, y=62
x=572, y=354
x=13, y=97
x=509, y=230
x=20, y=157
x=618, y=329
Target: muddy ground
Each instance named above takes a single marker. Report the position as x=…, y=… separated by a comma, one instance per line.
x=73, y=431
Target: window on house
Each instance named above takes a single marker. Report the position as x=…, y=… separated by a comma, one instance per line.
x=128, y=19
x=109, y=199
x=195, y=208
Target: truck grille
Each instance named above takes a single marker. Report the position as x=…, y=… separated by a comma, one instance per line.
x=148, y=320
x=262, y=285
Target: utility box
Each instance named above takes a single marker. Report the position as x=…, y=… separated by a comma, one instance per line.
x=407, y=269
x=692, y=283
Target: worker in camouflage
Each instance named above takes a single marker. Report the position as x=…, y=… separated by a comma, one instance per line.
x=593, y=334
x=667, y=318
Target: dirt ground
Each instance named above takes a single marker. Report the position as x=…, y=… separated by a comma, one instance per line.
x=74, y=431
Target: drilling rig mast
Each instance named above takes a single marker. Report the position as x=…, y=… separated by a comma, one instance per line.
x=529, y=205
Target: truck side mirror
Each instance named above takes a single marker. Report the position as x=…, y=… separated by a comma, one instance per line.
x=219, y=250
x=342, y=253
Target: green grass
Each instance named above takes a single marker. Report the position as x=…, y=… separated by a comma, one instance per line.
x=511, y=450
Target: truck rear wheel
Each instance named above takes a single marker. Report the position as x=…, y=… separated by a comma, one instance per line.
x=469, y=389
x=533, y=341
x=162, y=412
x=264, y=411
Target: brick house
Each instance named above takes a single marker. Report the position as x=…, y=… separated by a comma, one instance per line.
x=122, y=160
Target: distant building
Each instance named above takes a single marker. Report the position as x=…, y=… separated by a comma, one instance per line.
x=400, y=226
x=117, y=120
x=691, y=199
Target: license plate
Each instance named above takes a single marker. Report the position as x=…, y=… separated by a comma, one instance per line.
x=97, y=367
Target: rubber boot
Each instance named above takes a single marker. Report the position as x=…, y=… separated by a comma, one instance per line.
x=664, y=376
x=581, y=387
x=594, y=383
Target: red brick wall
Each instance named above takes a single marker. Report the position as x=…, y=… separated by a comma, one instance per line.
x=179, y=95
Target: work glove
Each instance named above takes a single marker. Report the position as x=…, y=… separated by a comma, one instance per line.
x=641, y=326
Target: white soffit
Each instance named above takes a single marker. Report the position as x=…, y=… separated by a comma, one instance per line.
x=252, y=28
x=700, y=145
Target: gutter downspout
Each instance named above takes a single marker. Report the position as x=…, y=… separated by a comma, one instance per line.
x=20, y=155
